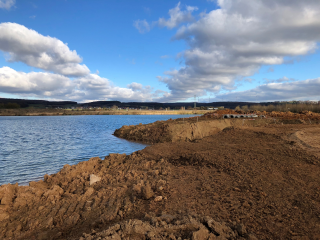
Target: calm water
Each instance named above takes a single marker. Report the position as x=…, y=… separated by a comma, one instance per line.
x=31, y=147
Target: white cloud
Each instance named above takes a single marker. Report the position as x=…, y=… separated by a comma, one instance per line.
x=34, y=83
x=177, y=17
x=52, y=55
x=44, y=52
x=7, y=4
x=55, y=86
x=279, y=91
x=234, y=41
x=142, y=25
x=135, y=86
x=280, y=80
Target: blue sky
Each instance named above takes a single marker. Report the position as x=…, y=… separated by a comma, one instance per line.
x=239, y=50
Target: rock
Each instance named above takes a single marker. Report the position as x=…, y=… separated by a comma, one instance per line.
x=253, y=237
x=147, y=192
x=241, y=229
x=49, y=222
x=94, y=179
x=158, y=199
x=89, y=192
x=246, y=204
x=73, y=219
x=4, y=216
x=202, y=234
x=56, y=191
x=150, y=234
x=137, y=188
x=219, y=229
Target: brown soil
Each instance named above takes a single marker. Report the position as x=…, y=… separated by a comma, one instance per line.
x=190, y=129
x=247, y=181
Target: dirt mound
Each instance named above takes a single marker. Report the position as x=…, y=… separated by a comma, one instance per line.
x=225, y=111
x=302, y=116
x=178, y=130
x=305, y=115
x=252, y=183
x=84, y=196
x=168, y=226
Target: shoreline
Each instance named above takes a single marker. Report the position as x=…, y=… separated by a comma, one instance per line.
x=45, y=112
x=202, y=178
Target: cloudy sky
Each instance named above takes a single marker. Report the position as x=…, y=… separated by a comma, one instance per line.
x=165, y=51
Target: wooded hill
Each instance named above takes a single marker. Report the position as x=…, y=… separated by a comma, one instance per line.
x=25, y=103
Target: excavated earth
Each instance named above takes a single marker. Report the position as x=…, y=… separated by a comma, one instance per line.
x=223, y=179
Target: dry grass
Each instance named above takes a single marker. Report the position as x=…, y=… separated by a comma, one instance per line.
x=58, y=112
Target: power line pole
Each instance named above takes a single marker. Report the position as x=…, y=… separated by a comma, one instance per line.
x=195, y=99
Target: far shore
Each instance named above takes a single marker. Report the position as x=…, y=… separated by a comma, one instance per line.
x=63, y=112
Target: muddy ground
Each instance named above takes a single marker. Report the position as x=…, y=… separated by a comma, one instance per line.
x=244, y=181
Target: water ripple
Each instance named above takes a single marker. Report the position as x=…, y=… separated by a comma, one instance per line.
x=31, y=147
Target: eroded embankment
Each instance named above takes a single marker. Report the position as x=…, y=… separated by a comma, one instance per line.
x=190, y=129
x=252, y=183
x=178, y=130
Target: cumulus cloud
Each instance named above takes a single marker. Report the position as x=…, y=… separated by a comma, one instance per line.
x=44, y=52
x=142, y=25
x=276, y=91
x=34, y=83
x=55, y=86
x=7, y=4
x=231, y=43
x=177, y=16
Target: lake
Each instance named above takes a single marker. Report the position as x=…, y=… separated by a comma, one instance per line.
x=31, y=147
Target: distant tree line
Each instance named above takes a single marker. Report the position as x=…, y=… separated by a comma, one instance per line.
x=283, y=107
x=9, y=105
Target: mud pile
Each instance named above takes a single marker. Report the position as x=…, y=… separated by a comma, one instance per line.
x=303, y=115
x=170, y=227
x=190, y=129
x=178, y=130
x=251, y=183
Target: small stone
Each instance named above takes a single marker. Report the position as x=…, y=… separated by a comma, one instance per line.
x=252, y=237
x=94, y=179
x=241, y=229
x=4, y=216
x=160, y=188
x=237, y=189
x=201, y=234
x=147, y=192
x=246, y=204
x=172, y=237
x=151, y=234
x=158, y=199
